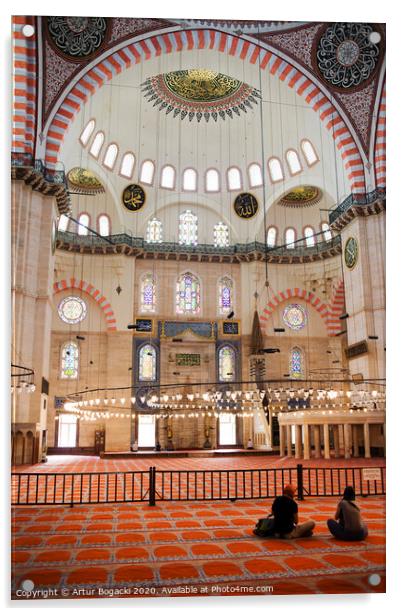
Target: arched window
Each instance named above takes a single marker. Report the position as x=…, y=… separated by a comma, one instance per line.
x=254, y=175
x=225, y=295
x=110, y=156
x=271, y=237
x=97, y=144
x=104, y=225
x=212, y=183
x=69, y=360
x=325, y=228
x=227, y=364
x=296, y=363
x=148, y=293
x=87, y=132
x=188, y=232
x=147, y=172
x=154, y=231
x=168, y=176
x=63, y=223
x=290, y=238
x=127, y=165
x=190, y=179
x=309, y=236
x=83, y=223
x=234, y=178
x=293, y=161
x=221, y=235
x=309, y=152
x=147, y=363
x=275, y=170
x=188, y=300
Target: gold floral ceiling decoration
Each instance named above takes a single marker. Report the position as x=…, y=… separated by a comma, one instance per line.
x=84, y=181
x=302, y=196
x=200, y=93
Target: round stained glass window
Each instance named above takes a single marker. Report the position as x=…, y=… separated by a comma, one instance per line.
x=72, y=310
x=295, y=316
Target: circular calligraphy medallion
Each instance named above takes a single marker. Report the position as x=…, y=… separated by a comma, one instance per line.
x=295, y=316
x=351, y=252
x=133, y=197
x=72, y=309
x=77, y=37
x=245, y=205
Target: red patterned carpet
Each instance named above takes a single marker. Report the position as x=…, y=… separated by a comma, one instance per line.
x=178, y=548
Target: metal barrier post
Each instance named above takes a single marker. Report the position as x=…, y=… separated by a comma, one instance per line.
x=300, y=482
x=152, y=470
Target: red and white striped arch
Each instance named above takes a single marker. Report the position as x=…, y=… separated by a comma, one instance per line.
x=184, y=40
x=380, y=144
x=86, y=287
x=336, y=308
x=24, y=86
x=325, y=311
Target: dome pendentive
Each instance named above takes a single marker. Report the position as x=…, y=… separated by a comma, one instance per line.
x=200, y=93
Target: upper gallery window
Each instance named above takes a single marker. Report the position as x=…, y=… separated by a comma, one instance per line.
x=293, y=161
x=69, y=360
x=188, y=228
x=290, y=238
x=309, y=152
x=188, y=299
x=234, y=178
x=83, y=224
x=225, y=295
x=255, y=175
x=148, y=293
x=212, y=183
x=168, y=177
x=154, y=231
x=63, y=223
x=104, y=225
x=309, y=236
x=147, y=172
x=109, y=159
x=127, y=165
x=97, y=144
x=325, y=228
x=275, y=170
x=221, y=235
x=271, y=237
x=190, y=179
x=87, y=132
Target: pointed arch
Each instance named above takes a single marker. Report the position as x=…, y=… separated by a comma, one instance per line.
x=380, y=144
x=204, y=38
x=97, y=295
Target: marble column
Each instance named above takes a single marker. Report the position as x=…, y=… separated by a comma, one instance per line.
x=336, y=440
x=346, y=440
x=282, y=441
x=317, y=442
x=289, y=440
x=326, y=442
x=298, y=443
x=306, y=441
x=366, y=428
x=355, y=440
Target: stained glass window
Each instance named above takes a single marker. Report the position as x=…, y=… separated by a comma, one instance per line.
x=188, y=299
x=147, y=363
x=221, y=235
x=72, y=309
x=295, y=316
x=226, y=362
x=225, y=295
x=271, y=237
x=148, y=293
x=154, y=231
x=70, y=354
x=188, y=223
x=296, y=367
